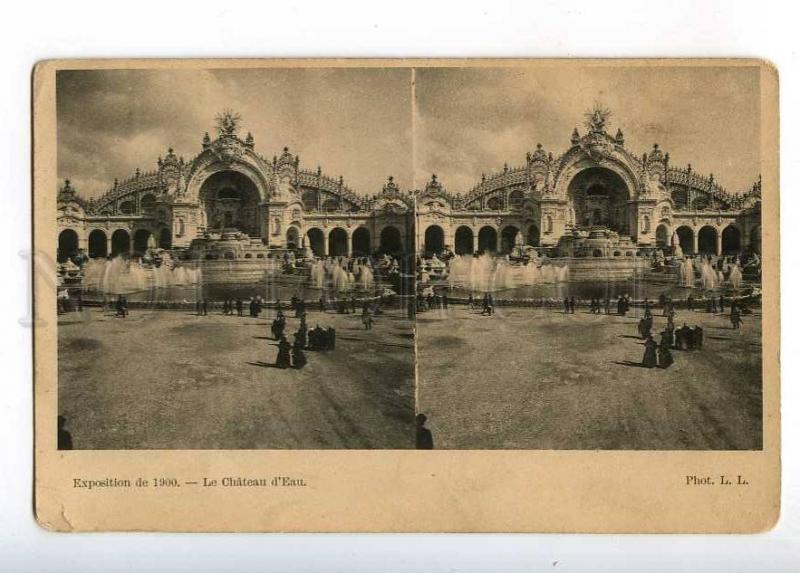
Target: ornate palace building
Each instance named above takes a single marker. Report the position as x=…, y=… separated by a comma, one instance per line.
x=597, y=188
x=231, y=202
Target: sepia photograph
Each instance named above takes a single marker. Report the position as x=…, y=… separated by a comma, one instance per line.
x=235, y=259
x=390, y=258
x=589, y=243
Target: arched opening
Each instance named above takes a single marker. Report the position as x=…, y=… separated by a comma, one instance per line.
x=337, y=242
x=127, y=208
x=686, y=239
x=231, y=201
x=330, y=205
x=600, y=199
x=645, y=224
x=533, y=236
x=464, y=241
x=755, y=239
x=148, y=204
x=120, y=243
x=316, y=240
x=487, y=240
x=494, y=204
x=140, y=239
x=662, y=236
x=515, y=199
x=434, y=240
x=98, y=245
x=507, y=239
x=165, y=238
x=731, y=240
x=362, y=244
x=391, y=241
x=292, y=238
x=707, y=240
x=309, y=200
x=67, y=245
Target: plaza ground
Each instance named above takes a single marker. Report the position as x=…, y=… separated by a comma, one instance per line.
x=173, y=380
x=540, y=379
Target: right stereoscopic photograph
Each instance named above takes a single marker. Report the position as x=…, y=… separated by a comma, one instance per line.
x=589, y=257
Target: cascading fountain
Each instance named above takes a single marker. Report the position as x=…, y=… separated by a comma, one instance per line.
x=735, y=276
x=122, y=276
x=686, y=273
x=483, y=273
x=708, y=276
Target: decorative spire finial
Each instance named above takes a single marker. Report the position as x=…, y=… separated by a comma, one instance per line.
x=596, y=118
x=228, y=122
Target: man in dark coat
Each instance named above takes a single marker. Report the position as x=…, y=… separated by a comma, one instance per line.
x=424, y=435
x=239, y=306
x=649, y=360
x=572, y=305
x=284, y=359
x=205, y=307
x=64, y=437
x=298, y=356
x=620, y=306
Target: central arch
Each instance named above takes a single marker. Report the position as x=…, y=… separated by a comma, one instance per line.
x=120, y=243
x=686, y=239
x=731, y=240
x=487, y=240
x=230, y=200
x=391, y=240
x=662, y=236
x=434, y=240
x=707, y=240
x=141, y=238
x=337, y=242
x=507, y=238
x=98, y=244
x=362, y=244
x=316, y=240
x=67, y=245
x=599, y=196
x=464, y=241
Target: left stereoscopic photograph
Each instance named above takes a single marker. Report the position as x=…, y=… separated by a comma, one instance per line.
x=235, y=264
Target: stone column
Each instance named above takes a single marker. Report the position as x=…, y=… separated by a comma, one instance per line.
x=474, y=242
x=325, y=241
x=108, y=244
x=719, y=242
x=349, y=244
x=695, y=241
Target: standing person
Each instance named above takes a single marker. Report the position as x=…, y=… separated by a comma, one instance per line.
x=572, y=305
x=690, y=303
x=199, y=306
x=239, y=306
x=322, y=304
x=298, y=356
x=64, y=436
x=736, y=320
x=366, y=318
x=205, y=307
x=721, y=303
x=665, y=359
x=471, y=302
x=225, y=307
x=424, y=436
x=608, y=305
x=620, y=306
x=566, y=305
x=649, y=360
x=647, y=312
x=284, y=358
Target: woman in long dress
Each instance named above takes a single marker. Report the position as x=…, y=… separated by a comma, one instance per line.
x=650, y=360
x=284, y=359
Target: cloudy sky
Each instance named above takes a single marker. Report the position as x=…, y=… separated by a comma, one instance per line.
x=355, y=123
x=358, y=122
x=474, y=120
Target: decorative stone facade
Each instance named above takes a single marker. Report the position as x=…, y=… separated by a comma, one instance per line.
x=597, y=183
